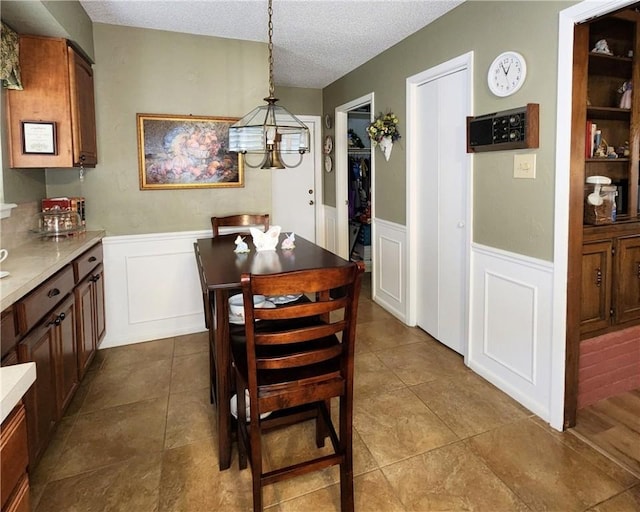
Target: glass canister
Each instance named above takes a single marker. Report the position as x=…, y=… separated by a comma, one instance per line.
x=600, y=201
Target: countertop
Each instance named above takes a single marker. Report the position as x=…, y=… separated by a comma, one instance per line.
x=15, y=381
x=31, y=263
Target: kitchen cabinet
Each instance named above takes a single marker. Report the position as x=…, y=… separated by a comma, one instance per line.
x=58, y=88
x=52, y=346
x=91, y=319
x=14, y=487
x=58, y=325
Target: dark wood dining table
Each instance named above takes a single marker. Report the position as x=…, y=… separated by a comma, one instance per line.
x=220, y=269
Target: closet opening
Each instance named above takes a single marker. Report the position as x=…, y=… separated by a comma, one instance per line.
x=359, y=190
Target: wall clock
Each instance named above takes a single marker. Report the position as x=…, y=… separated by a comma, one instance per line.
x=328, y=163
x=507, y=73
x=328, y=144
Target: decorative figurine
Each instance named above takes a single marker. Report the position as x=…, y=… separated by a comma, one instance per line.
x=241, y=245
x=625, y=99
x=602, y=47
x=289, y=242
x=266, y=241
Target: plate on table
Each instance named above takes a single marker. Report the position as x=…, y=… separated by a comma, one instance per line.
x=239, y=320
x=284, y=299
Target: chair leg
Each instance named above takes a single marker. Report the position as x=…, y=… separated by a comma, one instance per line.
x=256, y=464
x=242, y=424
x=346, y=446
x=322, y=429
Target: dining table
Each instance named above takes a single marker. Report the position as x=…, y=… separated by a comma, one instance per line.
x=220, y=269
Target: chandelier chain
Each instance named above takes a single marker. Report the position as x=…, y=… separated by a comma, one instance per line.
x=271, y=86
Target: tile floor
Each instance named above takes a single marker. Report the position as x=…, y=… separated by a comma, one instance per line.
x=429, y=435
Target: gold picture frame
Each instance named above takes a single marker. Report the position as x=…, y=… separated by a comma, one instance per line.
x=185, y=151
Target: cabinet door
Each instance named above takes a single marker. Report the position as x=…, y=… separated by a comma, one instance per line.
x=68, y=354
x=40, y=401
x=627, y=300
x=98, y=288
x=83, y=111
x=85, y=327
x=595, y=305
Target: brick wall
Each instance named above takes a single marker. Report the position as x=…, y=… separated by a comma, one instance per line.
x=608, y=365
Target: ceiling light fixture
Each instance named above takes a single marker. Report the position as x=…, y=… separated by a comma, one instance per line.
x=270, y=129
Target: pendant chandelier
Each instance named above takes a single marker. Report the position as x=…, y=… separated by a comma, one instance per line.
x=269, y=130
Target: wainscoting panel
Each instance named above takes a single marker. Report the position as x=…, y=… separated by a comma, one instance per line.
x=330, y=240
x=152, y=287
x=389, y=281
x=511, y=317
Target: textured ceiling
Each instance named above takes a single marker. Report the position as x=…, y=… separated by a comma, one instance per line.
x=315, y=41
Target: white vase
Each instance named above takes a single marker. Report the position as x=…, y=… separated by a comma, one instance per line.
x=386, y=145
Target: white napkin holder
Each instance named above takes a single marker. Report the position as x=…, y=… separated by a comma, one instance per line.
x=266, y=241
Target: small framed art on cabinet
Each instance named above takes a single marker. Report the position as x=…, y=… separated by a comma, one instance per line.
x=38, y=137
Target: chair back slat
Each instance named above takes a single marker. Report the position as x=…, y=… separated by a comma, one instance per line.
x=299, y=335
x=244, y=220
x=303, y=358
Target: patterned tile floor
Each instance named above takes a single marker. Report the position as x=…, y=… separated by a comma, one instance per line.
x=429, y=435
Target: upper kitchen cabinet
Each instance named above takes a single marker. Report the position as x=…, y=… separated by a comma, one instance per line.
x=58, y=88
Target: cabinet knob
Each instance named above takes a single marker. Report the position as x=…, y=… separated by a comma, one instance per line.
x=92, y=259
x=311, y=201
x=598, y=277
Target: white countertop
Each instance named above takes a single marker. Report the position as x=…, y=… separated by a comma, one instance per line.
x=15, y=381
x=31, y=263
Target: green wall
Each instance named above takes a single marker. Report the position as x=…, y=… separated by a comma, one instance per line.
x=300, y=101
x=511, y=214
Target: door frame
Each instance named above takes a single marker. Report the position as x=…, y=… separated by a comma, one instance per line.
x=341, y=117
x=564, y=350
x=460, y=63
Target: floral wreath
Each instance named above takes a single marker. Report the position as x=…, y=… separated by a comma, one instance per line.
x=384, y=125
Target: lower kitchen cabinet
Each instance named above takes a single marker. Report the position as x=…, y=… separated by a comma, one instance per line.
x=89, y=296
x=58, y=325
x=52, y=346
x=14, y=488
x=610, y=284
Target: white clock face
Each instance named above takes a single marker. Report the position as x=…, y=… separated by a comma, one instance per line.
x=507, y=73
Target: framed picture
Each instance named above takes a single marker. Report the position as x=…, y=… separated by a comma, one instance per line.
x=38, y=137
x=186, y=152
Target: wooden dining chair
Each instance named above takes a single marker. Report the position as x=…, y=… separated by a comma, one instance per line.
x=243, y=220
x=293, y=359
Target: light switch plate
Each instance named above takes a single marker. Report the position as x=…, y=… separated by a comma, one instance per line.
x=524, y=165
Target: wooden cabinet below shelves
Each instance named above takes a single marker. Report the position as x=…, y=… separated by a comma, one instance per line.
x=58, y=88
x=610, y=297
x=596, y=286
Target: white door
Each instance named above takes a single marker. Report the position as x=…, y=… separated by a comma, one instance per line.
x=293, y=190
x=442, y=197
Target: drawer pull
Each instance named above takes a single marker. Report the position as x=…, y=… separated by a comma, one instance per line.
x=58, y=320
x=95, y=278
x=92, y=259
x=53, y=292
